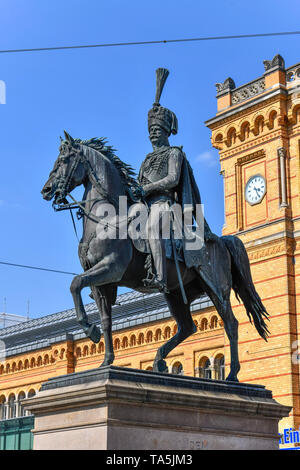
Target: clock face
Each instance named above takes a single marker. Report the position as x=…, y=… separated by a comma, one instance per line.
x=255, y=189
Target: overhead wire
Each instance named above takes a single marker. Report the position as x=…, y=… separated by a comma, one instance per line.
x=37, y=267
x=144, y=43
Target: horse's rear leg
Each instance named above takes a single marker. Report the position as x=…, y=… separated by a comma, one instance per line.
x=231, y=327
x=103, y=297
x=185, y=328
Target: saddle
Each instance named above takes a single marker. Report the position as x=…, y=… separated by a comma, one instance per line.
x=141, y=243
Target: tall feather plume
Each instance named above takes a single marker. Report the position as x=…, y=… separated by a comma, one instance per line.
x=161, y=77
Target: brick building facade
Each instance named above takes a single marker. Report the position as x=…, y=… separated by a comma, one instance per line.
x=257, y=133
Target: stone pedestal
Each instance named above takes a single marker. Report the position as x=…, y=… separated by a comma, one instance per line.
x=116, y=408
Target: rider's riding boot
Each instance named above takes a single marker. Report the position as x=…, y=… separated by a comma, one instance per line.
x=159, y=257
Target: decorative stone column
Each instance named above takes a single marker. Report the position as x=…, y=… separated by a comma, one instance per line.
x=281, y=151
x=222, y=173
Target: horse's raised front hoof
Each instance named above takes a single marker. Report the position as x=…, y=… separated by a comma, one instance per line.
x=232, y=377
x=160, y=366
x=94, y=333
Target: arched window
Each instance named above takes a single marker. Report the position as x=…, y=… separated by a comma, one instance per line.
x=158, y=335
x=85, y=350
x=258, y=125
x=31, y=393
x=177, y=368
x=133, y=340
x=78, y=352
x=125, y=342
x=296, y=114
x=219, y=368
x=3, y=407
x=245, y=131
x=205, y=368
x=214, y=322
x=12, y=406
x=272, y=117
x=149, y=337
x=101, y=348
x=167, y=333
x=93, y=349
x=32, y=362
x=46, y=360
x=141, y=338
x=203, y=324
x=39, y=361
x=231, y=137
x=117, y=344
x=20, y=408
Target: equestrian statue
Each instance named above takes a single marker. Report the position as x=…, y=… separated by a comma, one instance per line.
x=147, y=260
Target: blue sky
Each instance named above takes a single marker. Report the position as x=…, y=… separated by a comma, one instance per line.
x=108, y=92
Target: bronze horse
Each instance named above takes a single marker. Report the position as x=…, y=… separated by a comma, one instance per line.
x=111, y=262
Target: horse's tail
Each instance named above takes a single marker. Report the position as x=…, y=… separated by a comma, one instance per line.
x=243, y=286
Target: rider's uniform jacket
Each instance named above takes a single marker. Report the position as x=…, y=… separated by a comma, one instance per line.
x=160, y=173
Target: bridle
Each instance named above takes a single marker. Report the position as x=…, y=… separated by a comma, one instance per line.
x=64, y=188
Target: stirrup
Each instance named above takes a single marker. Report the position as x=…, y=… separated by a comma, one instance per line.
x=156, y=284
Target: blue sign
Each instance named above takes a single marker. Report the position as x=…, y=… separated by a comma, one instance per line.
x=290, y=436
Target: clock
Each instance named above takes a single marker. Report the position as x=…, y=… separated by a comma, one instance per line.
x=255, y=189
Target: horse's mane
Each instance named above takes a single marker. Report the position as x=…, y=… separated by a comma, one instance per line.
x=126, y=172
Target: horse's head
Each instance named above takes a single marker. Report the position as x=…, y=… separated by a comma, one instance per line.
x=68, y=171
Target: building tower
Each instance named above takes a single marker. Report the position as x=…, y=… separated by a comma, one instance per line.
x=257, y=132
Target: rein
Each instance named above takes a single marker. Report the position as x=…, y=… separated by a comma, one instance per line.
x=98, y=220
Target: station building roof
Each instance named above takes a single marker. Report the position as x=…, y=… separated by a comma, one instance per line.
x=131, y=310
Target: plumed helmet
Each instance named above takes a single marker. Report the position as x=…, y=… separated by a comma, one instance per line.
x=158, y=115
